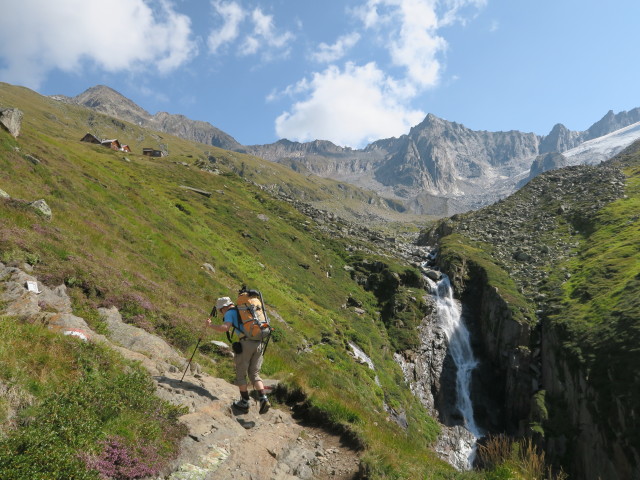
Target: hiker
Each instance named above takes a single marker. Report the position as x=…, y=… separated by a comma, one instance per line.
x=248, y=360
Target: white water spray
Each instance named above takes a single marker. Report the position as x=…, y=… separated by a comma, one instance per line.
x=451, y=323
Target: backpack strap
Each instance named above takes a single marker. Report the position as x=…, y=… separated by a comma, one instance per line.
x=233, y=328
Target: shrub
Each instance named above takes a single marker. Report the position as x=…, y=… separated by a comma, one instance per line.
x=96, y=395
x=505, y=458
x=118, y=461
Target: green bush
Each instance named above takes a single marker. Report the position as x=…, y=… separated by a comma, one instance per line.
x=98, y=395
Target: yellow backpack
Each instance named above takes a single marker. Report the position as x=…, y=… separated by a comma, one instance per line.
x=253, y=316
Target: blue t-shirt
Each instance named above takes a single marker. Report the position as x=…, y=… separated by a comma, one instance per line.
x=231, y=316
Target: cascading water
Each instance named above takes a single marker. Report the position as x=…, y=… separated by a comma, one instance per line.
x=450, y=320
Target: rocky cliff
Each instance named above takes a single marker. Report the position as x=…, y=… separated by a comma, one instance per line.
x=511, y=263
x=442, y=167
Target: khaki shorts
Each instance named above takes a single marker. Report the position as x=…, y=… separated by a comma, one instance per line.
x=248, y=362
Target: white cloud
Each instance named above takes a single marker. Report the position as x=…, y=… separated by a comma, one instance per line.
x=233, y=15
x=409, y=29
x=37, y=37
x=330, y=53
x=262, y=36
x=350, y=107
x=454, y=10
x=357, y=104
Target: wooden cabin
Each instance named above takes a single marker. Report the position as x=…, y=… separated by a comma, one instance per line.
x=91, y=139
x=150, y=152
x=113, y=144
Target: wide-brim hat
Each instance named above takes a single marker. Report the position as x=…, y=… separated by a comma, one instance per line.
x=223, y=302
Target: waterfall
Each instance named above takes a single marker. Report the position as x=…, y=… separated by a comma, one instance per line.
x=451, y=322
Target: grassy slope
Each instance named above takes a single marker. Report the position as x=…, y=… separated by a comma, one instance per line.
x=601, y=302
x=124, y=233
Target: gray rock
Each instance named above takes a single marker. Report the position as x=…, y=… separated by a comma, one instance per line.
x=433, y=275
x=11, y=119
x=208, y=267
x=32, y=159
x=42, y=207
x=4, y=194
x=137, y=339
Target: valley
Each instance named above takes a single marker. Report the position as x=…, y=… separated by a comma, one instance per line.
x=346, y=246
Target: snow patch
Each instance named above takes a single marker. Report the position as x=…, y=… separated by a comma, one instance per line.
x=603, y=148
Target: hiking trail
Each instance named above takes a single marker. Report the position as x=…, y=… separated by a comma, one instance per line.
x=222, y=443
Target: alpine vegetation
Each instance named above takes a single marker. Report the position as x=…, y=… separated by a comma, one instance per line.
x=369, y=343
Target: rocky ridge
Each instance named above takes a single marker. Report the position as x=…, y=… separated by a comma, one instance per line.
x=527, y=245
x=218, y=438
x=442, y=167
x=106, y=100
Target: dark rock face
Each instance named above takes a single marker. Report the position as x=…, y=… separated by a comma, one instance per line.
x=527, y=237
x=544, y=163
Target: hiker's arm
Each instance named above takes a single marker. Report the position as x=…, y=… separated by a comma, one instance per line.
x=225, y=327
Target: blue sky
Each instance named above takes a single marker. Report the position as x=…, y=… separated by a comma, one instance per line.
x=349, y=71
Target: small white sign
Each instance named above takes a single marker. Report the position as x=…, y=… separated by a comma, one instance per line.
x=32, y=286
x=77, y=333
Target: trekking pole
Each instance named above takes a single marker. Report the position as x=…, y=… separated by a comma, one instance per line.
x=212, y=314
x=266, y=344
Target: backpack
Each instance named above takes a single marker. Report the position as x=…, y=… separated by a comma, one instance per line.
x=253, y=316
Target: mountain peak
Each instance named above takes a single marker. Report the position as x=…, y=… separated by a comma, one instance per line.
x=110, y=102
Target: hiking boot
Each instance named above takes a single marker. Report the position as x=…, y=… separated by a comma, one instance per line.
x=242, y=404
x=264, y=404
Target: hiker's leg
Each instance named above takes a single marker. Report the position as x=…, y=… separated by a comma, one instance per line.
x=255, y=363
x=254, y=377
x=244, y=391
x=242, y=366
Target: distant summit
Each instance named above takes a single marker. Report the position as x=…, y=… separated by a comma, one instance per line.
x=106, y=100
x=442, y=167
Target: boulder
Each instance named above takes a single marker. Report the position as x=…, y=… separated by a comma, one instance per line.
x=11, y=119
x=42, y=207
x=209, y=268
x=137, y=339
x=433, y=275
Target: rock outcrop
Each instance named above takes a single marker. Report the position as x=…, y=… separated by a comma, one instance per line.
x=11, y=120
